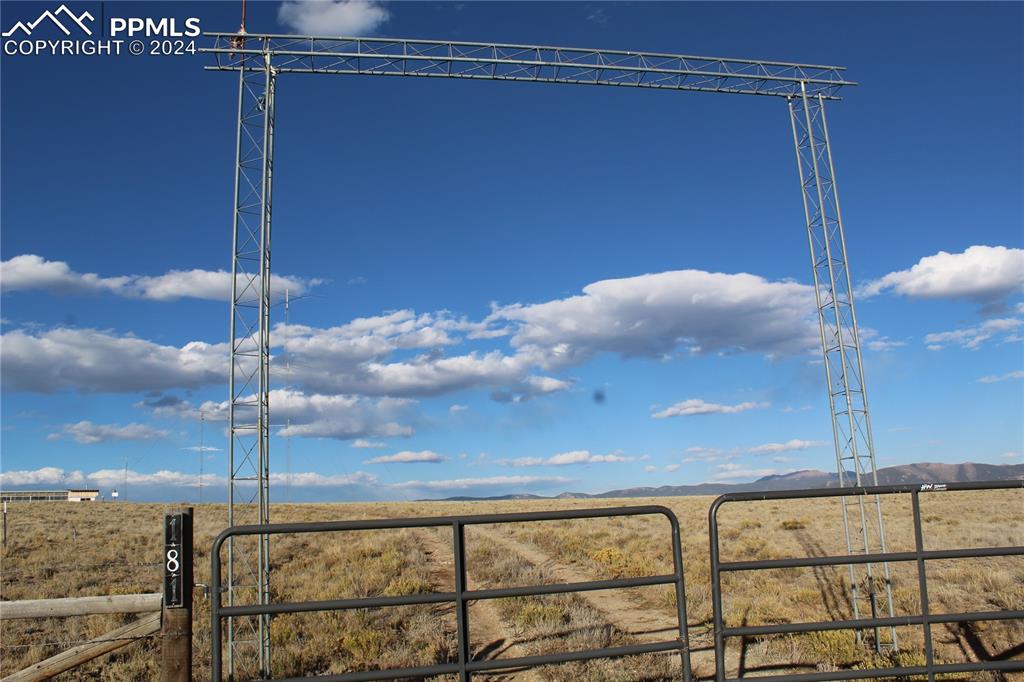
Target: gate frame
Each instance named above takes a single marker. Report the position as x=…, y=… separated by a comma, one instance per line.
x=464, y=667
x=925, y=619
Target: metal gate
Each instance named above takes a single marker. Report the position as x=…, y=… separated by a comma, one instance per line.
x=465, y=666
x=925, y=618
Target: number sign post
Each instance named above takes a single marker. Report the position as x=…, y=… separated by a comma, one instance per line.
x=177, y=616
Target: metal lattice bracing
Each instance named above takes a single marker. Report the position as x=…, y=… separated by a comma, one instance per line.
x=249, y=402
x=530, y=63
x=864, y=530
x=260, y=58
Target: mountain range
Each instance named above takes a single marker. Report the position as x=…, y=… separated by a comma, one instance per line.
x=923, y=472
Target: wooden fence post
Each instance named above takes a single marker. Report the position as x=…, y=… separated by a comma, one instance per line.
x=176, y=632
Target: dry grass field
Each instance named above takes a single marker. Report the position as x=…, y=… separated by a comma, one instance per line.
x=62, y=549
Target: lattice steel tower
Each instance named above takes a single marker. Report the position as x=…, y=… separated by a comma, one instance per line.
x=260, y=58
x=863, y=525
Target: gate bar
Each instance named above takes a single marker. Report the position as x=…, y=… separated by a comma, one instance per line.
x=461, y=596
x=920, y=555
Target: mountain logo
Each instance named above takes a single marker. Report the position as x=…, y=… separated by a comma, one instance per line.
x=62, y=11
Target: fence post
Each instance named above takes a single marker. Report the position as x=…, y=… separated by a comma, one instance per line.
x=176, y=631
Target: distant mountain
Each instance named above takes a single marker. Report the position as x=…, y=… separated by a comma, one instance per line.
x=924, y=472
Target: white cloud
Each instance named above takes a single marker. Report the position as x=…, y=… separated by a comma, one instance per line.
x=993, y=378
x=31, y=272
x=788, y=446
x=671, y=467
x=115, y=477
x=730, y=471
x=981, y=273
x=487, y=482
x=584, y=457
x=337, y=416
x=648, y=316
x=313, y=479
x=1013, y=454
x=408, y=457
x=873, y=341
x=90, y=433
x=566, y=459
x=454, y=409
x=650, y=469
x=695, y=406
x=202, y=448
x=702, y=454
x=653, y=315
x=311, y=415
x=974, y=337
x=333, y=17
x=354, y=358
x=90, y=360
x=42, y=476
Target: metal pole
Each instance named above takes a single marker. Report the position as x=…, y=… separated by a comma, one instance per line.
x=922, y=583
x=263, y=573
x=231, y=373
x=461, y=610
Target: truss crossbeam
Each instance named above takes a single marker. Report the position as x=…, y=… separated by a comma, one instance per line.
x=532, y=63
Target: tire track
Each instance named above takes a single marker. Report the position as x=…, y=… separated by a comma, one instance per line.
x=489, y=637
x=639, y=621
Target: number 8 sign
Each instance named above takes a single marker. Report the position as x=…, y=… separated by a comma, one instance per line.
x=177, y=559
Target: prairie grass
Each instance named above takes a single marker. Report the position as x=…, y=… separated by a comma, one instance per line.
x=62, y=549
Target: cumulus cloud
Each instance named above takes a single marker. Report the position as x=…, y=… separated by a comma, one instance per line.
x=671, y=467
x=90, y=360
x=333, y=17
x=342, y=417
x=166, y=478
x=486, y=482
x=408, y=457
x=356, y=358
x=402, y=354
x=695, y=406
x=731, y=471
x=973, y=338
x=985, y=274
x=107, y=478
x=90, y=433
x=788, y=446
x=42, y=476
x=362, y=443
x=1009, y=376
x=30, y=272
x=653, y=315
x=566, y=459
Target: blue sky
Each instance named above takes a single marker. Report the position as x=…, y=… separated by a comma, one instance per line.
x=481, y=259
